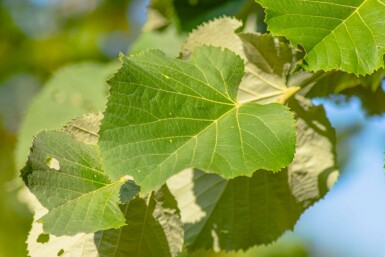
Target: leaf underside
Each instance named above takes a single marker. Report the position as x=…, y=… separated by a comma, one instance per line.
x=269, y=62
x=165, y=115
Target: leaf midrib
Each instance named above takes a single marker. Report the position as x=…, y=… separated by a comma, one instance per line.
x=193, y=138
x=145, y=70
x=84, y=195
x=343, y=23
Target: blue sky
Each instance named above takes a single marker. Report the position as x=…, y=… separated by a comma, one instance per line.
x=349, y=221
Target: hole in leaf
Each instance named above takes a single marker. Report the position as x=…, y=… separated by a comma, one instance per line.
x=60, y=253
x=52, y=163
x=216, y=246
x=43, y=238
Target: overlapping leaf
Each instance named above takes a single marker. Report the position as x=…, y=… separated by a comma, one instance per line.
x=152, y=224
x=242, y=212
x=153, y=229
x=40, y=243
x=67, y=177
x=342, y=35
x=269, y=67
x=314, y=169
x=236, y=214
x=268, y=61
x=165, y=115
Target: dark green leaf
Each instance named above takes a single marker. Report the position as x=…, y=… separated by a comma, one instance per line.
x=192, y=13
x=153, y=229
x=335, y=82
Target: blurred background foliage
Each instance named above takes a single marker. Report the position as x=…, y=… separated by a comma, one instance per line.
x=36, y=38
x=39, y=37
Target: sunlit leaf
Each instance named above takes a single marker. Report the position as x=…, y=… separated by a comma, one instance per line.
x=67, y=177
x=243, y=212
x=343, y=35
x=164, y=115
x=40, y=243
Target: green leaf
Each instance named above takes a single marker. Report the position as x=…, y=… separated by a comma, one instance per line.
x=67, y=177
x=239, y=213
x=269, y=66
x=164, y=115
x=269, y=61
x=40, y=243
x=242, y=212
x=73, y=91
x=342, y=35
x=153, y=229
